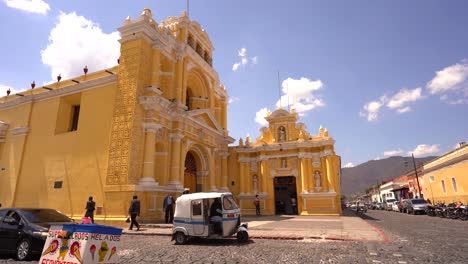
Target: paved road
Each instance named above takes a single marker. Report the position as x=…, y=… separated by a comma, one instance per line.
x=414, y=239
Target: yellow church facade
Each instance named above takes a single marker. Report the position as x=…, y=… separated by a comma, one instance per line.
x=291, y=170
x=154, y=124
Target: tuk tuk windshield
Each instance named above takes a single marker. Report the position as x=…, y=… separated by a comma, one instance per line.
x=229, y=203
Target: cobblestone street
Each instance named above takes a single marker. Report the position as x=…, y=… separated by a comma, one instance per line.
x=413, y=239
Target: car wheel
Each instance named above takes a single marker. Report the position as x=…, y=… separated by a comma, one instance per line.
x=242, y=236
x=23, y=251
x=180, y=238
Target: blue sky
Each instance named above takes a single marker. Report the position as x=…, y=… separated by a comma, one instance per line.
x=384, y=77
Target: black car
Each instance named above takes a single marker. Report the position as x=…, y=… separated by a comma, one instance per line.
x=24, y=231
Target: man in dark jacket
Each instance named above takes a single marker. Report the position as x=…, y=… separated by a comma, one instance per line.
x=168, y=206
x=90, y=207
x=134, y=211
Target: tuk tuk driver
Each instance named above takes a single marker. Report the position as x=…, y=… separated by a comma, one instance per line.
x=216, y=215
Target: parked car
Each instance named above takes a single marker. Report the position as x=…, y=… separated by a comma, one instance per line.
x=381, y=206
x=388, y=204
x=414, y=206
x=396, y=206
x=24, y=231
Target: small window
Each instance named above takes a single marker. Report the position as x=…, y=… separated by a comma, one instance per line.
x=454, y=184
x=58, y=184
x=196, y=208
x=431, y=179
x=75, y=117
x=443, y=186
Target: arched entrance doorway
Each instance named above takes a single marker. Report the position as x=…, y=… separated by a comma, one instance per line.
x=285, y=191
x=190, y=173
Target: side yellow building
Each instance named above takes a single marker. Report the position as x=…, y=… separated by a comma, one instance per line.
x=154, y=124
x=446, y=177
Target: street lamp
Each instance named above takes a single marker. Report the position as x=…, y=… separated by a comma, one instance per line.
x=416, y=173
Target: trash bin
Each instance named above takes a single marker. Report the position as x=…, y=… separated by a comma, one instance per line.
x=81, y=243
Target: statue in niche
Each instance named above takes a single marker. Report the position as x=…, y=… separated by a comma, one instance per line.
x=281, y=134
x=283, y=163
x=255, y=184
x=317, y=178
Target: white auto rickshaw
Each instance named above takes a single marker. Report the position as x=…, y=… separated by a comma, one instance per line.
x=207, y=215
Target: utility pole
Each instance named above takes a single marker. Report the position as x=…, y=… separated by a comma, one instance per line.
x=417, y=178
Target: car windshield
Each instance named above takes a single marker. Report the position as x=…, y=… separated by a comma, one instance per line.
x=44, y=216
x=418, y=201
x=229, y=203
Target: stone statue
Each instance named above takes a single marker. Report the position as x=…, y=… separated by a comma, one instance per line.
x=282, y=134
x=317, y=177
x=283, y=163
x=255, y=184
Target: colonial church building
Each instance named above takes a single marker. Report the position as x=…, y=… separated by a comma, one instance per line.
x=154, y=124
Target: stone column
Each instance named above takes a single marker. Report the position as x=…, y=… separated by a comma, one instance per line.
x=175, y=159
x=150, y=147
x=224, y=171
x=155, y=82
x=243, y=177
x=330, y=174
x=303, y=174
x=265, y=174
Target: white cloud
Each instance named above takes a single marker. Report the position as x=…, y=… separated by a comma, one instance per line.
x=242, y=53
x=404, y=109
x=244, y=60
x=378, y=158
x=233, y=99
x=254, y=60
x=393, y=152
x=371, y=109
x=450, y=78
x=349, y=165
x=424, y=149
x=403, y=97
x=396, y=102
x=31, y=6
x=75, y=42
x=235, y=66
x=299, y=94
x=260, y=116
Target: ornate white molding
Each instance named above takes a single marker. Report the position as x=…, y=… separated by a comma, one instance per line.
x=176, y=137
x=224, y=155
x=247, y=160
x=19, y=131
x=288, y=146
x=326, y=153
x=190, y=65
x=306, y=155
x=253, y=166
x=154, y=90
x=3, y=130
x=202, y=173
x=151, y=127
x=316, y=164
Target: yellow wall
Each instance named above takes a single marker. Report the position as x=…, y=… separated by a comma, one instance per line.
x=78, y=158
x=451, y=165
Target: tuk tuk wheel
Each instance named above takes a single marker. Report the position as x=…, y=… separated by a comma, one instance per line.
x=242, y=236
x=180, y=238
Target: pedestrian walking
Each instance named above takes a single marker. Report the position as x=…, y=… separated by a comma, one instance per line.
x=256, y=202
x=294, y=205
x=168, y=207
x=134, y=211
x=90, y=207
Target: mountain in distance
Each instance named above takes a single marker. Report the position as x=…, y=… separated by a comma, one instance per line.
x=357, y=179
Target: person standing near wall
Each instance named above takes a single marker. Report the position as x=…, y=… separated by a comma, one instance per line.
x=90, y=207
x=134, y=211
x=168, y=206
x=256, y=202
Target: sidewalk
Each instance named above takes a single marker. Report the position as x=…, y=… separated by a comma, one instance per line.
x=345, y=228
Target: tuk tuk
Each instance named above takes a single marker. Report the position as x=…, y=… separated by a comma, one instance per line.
x=207, y=215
